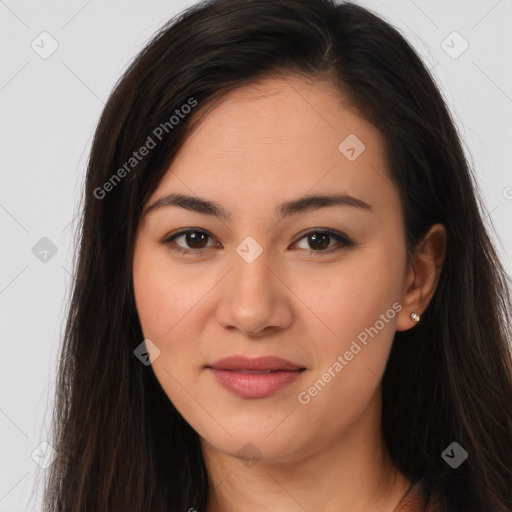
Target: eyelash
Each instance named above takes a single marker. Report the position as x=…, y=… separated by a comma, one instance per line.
x=340, y=238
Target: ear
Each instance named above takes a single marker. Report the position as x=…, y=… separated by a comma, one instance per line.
x=422, y=276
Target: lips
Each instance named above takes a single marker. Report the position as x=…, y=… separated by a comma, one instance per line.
x=264, y=364
x=255, y=378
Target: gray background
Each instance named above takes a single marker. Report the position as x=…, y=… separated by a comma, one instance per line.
x=49, y=108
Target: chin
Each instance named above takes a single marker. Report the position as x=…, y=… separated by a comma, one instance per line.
x=252, y=445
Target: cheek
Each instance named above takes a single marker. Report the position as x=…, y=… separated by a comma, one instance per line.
x=360, y=308
x=163, y=294
x=352, y=298
x=359, y=305
x=165, y=297
x=153, y=298
x=173, y=306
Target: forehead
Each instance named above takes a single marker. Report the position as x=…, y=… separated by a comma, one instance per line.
x=281, y=137
x=279, y=113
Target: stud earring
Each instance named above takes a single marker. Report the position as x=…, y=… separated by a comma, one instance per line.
x=415, y=317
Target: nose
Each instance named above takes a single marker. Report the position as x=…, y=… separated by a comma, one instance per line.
x=254, y=298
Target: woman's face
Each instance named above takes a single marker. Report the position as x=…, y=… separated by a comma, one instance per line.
x=265, y=279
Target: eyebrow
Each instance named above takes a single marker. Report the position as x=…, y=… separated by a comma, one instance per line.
x=301, y=205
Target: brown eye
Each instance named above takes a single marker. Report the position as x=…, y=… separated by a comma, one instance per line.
x=325, y=241
x=193, y=240
x=317, y=241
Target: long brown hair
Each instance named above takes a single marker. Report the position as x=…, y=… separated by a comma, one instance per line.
x=121, y=444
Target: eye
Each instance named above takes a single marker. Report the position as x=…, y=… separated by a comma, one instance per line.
x=194, y=239
x=319, y=241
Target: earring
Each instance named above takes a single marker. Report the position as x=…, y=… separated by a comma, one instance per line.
x=415, y=317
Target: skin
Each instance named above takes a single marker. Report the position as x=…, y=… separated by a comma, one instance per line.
x=263, y=144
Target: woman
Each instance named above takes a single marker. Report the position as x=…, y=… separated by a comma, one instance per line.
x=285, y=295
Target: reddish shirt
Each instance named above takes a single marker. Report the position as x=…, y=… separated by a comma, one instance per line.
x=413, y=501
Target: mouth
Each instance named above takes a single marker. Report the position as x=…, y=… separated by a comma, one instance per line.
x=255, y=378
